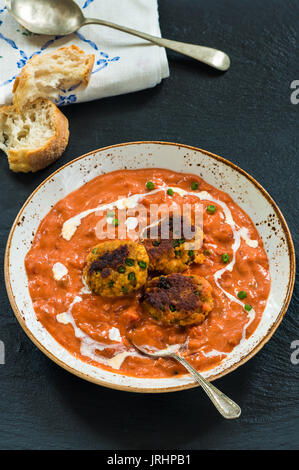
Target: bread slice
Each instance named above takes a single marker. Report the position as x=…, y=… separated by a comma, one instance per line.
x=35, y=138
x=48, y=75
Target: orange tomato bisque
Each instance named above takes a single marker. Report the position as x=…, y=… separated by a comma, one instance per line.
x=101, y=330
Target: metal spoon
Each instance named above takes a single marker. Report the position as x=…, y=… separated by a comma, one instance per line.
x=61, y=17
x=227, y=407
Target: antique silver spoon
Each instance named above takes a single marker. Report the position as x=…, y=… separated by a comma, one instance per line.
x=227, y=407
x=62, y=17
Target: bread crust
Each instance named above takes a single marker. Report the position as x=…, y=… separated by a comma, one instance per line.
x=26, y=160
x=21, y=80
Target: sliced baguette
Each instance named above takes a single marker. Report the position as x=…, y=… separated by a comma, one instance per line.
x=47, y=75
x=35, y=138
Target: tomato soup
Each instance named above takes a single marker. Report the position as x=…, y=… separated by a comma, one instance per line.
x=101, y=331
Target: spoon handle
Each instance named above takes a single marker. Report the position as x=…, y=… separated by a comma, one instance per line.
x=213, y=57
x=227, y=407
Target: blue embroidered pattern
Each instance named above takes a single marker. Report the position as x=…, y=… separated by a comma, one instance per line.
x=63, y=99
x=104, y=59
x=87, y=2
x=66, y=96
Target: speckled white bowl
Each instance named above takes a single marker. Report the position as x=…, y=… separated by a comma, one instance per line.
x=215, y=170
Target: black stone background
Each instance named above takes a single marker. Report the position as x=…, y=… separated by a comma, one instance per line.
x=244, y=115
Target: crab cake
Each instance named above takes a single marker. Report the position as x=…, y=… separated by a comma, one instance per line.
x=170, y=255
x=178, y=299
x=116, y=268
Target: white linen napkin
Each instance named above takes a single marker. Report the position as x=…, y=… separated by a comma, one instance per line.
x=123, y=63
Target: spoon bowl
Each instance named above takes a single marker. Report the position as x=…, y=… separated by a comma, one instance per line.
x=54, y=17
x=63, y=17
x=225, y=405
x=168, y=352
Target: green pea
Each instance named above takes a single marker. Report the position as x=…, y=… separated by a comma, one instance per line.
x=94, y=251
x=111, y=283
x=194, y=185
x=115, y=222
x=191, y=253
x=178, y=253
x=225, y=258
x=142, y=264
x=211, y=209
x=150, y=185
x=129, y=262
x=181, y=241
x=170, y=192
x=122, y=269
x=175, y=243
x=172, y=308
x=247, y=307
x=131, y=276
x=242, y=294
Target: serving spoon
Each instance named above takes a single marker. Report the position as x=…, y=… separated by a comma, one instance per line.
x=62, y=17
x=227, y=407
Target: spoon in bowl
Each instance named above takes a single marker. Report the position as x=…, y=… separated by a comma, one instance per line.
x=227, y=407
x=62, y=17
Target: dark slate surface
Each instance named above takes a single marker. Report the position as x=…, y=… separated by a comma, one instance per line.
x=244, y=115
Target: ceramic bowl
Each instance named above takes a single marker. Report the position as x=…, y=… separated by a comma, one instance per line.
x=182, y=158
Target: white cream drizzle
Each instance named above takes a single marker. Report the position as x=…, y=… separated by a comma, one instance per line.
x=114, y=334
x=63, y=318
x=116, y=361
x=70, y=226
x=153, y=224
x=59, y=271
x=131, y=223
x=213, y=353
x=88, y=345
x=85, y=289
x=245, y=235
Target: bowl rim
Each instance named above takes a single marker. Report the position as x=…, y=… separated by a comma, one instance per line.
x=85, y=376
